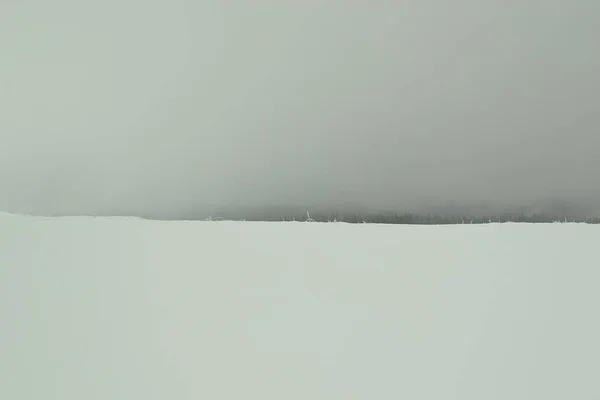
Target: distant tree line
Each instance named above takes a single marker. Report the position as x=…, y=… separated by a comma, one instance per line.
x=409, y=218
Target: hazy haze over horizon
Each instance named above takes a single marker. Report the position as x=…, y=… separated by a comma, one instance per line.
x=169, y=106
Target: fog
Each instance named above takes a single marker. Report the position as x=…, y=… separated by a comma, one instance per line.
x=162, y=107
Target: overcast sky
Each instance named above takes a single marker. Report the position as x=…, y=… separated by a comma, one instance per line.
x=161, y=106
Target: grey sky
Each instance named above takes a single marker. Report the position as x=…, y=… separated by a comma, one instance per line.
x=161, y=106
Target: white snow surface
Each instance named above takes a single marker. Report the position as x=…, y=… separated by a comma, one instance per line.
x=122, y=308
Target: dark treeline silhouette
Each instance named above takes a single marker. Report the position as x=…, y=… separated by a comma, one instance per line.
x=399, y=218
x=356, y=216
x=433, y=219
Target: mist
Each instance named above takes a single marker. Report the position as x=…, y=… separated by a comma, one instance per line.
x=166, y=107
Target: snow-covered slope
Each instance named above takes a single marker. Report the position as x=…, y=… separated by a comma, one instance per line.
x=113, y=308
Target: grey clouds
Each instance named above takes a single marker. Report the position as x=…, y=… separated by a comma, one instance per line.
x=167, y=106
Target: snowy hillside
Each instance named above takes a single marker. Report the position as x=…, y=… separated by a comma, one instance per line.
x=117, y=308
